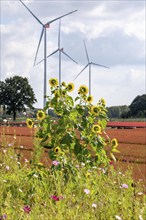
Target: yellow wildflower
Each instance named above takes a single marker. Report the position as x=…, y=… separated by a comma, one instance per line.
x=63, y=84
x=114, y=143
x=29, y=123
x=95, y=110
x=53, y=82
x=41, y=115
x=57, y=150
x=83, y=90
x=103, y=102
x=96, y=129
x=70, y=87
x=90, y=99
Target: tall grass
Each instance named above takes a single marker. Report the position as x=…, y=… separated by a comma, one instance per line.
x=32, y=191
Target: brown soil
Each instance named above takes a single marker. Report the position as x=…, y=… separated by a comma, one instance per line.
x=132, y=146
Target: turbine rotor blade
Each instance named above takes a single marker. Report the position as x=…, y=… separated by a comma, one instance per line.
x=81, y=71
x=31, y=13
x=99, y=65
x=49, y=22
x=68, y=56
x=48, y=56
x=38, y=45
x=86, y=51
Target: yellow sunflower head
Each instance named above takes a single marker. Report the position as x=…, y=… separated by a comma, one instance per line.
x=96, y=129
x=29, y=123
x=57, y=150
x=56, y=92
x=64, y=92
x=95, y=110
x=90, y=99
x=41, y=115
x=53, y=82
x=88, y=175
x=70, y=87
x=114, y=143
x=102, y=101
x=63, y=84
x=83, y=90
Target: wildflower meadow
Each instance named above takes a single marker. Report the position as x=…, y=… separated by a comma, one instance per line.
x=80, y=182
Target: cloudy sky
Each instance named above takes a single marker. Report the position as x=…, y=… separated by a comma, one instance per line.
x=114, y=32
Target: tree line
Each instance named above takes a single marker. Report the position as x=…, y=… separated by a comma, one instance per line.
x=137, y=109
x=16, y=94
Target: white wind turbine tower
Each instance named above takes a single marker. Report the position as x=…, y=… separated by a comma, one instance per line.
x=89, y=64
x=44, y=32
x=60, y=50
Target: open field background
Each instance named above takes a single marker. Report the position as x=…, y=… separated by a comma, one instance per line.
x=132, y=146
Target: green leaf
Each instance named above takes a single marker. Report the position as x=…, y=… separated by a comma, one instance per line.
x=90, y=119
x=115, y=150
x=70, y=100
x=67, y=139
x=113, y=157
x=77, y=147
x=77, y=98
x=44, y=139
x=73, y=115
x=102, y=122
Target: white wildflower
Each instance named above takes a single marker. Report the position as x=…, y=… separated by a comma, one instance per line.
x=87, y=191
x=7, y=167
x=139, y=193
x=118, y=217
x=94, y=205
x=35, y=175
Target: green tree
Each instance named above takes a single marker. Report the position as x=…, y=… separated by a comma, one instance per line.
x=117, y=111
x=16, y=94
x=138, y=106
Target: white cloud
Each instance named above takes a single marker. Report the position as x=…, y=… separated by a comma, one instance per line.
x=115, y=36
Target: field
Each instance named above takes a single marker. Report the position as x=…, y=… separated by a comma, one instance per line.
x=132, y=146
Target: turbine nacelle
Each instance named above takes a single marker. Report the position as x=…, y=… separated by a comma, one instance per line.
x=43, y=32
x=61, y=51
x=47, y=25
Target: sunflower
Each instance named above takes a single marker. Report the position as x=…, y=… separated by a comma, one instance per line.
x=114, y=143
x=63, y=84
x=70, y=87
x=63, y=92
x=53, y=82
x=40, y=115
x=83, y=90
x=95, y=110
x=96, y=129
x=102, y=101
x=87, y=175
x=90, y=99
x=57, y=150
x=29, y=123
x=56, y=92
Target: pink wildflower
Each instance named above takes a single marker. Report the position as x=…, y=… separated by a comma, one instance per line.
x=124, y=186
x=55, y=162
x=56, y=198
x=87, y=191
x=27, y=209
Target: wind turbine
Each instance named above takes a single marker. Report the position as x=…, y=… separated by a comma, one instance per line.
x=89, y=64
x=43, y=32
x=60, y=50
